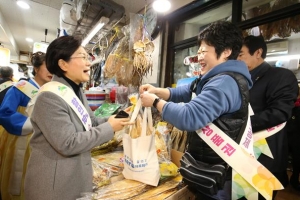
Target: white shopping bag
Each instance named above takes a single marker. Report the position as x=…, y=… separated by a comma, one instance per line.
x=140, y=157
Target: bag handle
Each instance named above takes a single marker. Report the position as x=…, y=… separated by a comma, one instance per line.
x=147, y=120
x=136, y=109
x=147, y=117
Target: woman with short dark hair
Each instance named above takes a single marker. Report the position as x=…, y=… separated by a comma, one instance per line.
x=65, y=128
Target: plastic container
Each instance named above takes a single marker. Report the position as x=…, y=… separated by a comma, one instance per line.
x=95, y=98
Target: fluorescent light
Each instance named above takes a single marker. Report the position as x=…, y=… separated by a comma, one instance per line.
x=161, y=5
x=23, y=4
x=277, y=53
x=29, y=40
x=288, y=57
x=92, y=33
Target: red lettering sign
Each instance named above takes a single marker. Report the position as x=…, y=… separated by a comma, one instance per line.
x=218, y=140
x=228, y=149
x=207, y=130
x=246, y=143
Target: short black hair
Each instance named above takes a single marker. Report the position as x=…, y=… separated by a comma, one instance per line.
x=223, y=35
x=60, y=48
x=6, y=72
x=254, y=43
x=37, y=59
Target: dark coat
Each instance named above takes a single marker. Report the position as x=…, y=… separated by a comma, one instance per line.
x=2, y=93
x=272, y=99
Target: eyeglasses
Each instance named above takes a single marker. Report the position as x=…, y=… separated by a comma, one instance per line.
x=85, y=57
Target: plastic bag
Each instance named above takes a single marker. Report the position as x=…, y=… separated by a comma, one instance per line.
x=106, y=109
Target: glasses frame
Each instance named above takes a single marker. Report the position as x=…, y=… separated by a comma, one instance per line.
x=85, y=57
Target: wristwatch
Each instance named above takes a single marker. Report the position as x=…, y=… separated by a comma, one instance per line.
x=155, y=102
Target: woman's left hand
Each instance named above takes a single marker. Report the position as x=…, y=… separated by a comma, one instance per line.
x=128, y=109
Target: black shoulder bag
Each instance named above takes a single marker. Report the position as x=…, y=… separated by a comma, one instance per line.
x=203, y=177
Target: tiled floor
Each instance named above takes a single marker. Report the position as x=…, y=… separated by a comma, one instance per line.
x=289, y=193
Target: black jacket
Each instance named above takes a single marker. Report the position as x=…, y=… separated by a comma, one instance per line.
x=232, y=124
x=2, y=93
x=293, y=124
x=272, y=99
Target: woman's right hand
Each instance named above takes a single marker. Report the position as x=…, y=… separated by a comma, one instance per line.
x=118, y=123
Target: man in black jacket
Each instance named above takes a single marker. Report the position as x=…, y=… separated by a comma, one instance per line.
x=272, y=99
x=6, y=74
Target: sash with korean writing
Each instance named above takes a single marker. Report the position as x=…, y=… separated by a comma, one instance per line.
x=260, y=143
x=68, y=95
x=20, y=144
x=5, y=85
x=27, y=88
x=238, y=157
x=254, y=144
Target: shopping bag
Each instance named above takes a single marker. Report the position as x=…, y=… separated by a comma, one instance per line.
x=140, y=157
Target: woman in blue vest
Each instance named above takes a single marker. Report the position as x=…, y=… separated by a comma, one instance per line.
x=17, y=129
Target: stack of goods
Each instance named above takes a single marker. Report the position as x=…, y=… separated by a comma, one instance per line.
x=110, y=145
x=95, y=98
x=163, y=148
x=134, y=190
x=179, y=139
x=105, y=167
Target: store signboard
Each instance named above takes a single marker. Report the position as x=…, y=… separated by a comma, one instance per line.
x=4, y=56
x=40, y=46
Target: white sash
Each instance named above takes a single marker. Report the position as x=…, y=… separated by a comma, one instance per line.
x=5, y=85
x=27, y=88
x=21, y=144
x=70, y=97
x=240, y=159
x=268, y=132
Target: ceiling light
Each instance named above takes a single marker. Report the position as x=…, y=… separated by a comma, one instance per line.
x=92, y=33
x=161, y=5
x=23, y=4
x=29, y=40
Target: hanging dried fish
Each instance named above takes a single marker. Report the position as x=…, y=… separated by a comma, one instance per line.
x=142, y=60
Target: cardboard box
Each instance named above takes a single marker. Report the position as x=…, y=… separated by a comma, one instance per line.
x=182, y=194
x=176, y=156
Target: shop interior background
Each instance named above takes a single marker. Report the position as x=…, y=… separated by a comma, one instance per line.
x=17, y=24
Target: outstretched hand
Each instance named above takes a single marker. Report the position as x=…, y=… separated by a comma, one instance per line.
x=118, y=123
